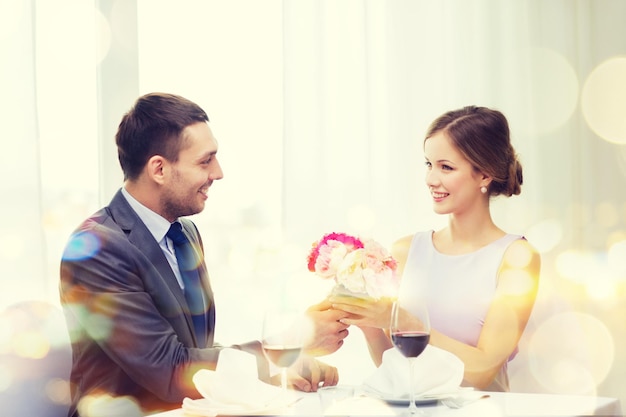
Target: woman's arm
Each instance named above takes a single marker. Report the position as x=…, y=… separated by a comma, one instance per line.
x=518, y=282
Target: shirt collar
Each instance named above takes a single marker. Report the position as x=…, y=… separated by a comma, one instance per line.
x=156, y=224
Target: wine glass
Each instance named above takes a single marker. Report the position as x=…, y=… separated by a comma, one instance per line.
x=282, y=339
x=410, y=333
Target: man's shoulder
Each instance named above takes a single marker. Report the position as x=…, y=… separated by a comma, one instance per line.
x=94, y=232
x=98, y=221
x=117, y=216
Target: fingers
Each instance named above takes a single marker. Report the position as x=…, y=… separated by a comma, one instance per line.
x=321, y=306
x=338, y=325
x=313, y=374
x=336, y=315
x=347, y=308
x=301, y=384
x=331, y=376
x=316, y=374
x=309, y=375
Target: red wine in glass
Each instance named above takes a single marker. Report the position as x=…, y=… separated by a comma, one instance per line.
x=410, y=334
x=410, y=344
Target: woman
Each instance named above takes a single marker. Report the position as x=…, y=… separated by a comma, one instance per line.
x=480, y=281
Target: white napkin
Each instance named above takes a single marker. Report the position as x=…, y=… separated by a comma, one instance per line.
x=234, y=388
x=437, y=372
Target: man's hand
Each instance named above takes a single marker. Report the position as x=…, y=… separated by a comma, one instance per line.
x=328, y=331
x=308, y=373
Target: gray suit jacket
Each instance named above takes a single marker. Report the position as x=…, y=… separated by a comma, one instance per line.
x=130, y=327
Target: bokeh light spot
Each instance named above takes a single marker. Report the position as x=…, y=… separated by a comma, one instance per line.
x=82, y=245
x=593, y=270
x=571, y=353
x=601, y=287
x=555, y=89
x=31, y=344
x=80, y=312
x=519, y=256
x=575, y=265
x=518, y=281
x=545, y=235
x=58, y=391
x=107, y=405
x=604, y=100
x=606, y=213
x=569, y=377
x=617, y=258
x=99, y=326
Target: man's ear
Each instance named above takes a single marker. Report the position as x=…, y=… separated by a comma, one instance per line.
x=156, y=168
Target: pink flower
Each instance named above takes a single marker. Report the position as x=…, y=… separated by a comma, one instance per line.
x=357, y=265
x=329, y=256
x=349, y=242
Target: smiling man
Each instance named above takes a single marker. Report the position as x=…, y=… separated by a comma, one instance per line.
x=134, y=285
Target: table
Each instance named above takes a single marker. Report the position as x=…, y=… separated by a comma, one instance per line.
x=497, y=405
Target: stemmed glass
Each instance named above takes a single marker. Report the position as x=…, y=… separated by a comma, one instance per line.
x=410, y=333
x=282, y=339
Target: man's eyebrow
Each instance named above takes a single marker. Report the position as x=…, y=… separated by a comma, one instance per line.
x=206, y=155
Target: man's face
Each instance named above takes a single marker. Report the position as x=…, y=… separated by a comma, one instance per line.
x=185, y=191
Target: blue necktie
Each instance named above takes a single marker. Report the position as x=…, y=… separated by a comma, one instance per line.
x=188, y=264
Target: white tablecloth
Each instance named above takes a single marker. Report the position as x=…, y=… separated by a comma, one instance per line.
x=497, y=405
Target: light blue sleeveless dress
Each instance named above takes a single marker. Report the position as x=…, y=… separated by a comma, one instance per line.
x=458, y=289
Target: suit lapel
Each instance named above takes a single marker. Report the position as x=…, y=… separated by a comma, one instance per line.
x=139, y=235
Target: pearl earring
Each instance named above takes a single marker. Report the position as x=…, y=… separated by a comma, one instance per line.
x=483, y=189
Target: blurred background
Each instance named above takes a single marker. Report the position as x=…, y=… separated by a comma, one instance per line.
x=320, y=108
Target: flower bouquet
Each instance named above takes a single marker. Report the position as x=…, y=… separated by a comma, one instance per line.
x=361, y=268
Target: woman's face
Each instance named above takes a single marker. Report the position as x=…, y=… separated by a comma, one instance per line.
x=453, y=183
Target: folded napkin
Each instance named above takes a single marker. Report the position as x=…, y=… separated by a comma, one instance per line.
x=437, y=372
x=234, y=389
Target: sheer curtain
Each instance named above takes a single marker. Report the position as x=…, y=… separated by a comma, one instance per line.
x=19, y=163
x=320, y=107
x=364, y=78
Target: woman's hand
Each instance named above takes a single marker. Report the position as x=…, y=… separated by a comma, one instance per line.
x=364, y=312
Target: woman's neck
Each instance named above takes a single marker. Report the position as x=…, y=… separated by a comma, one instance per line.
x=465, y=234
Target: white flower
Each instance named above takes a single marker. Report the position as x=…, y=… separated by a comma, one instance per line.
x=350, y=271
x=380, y=284
x=330, y=257
x=360, y=266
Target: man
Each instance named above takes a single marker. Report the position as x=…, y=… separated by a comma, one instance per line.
x=125, y=282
